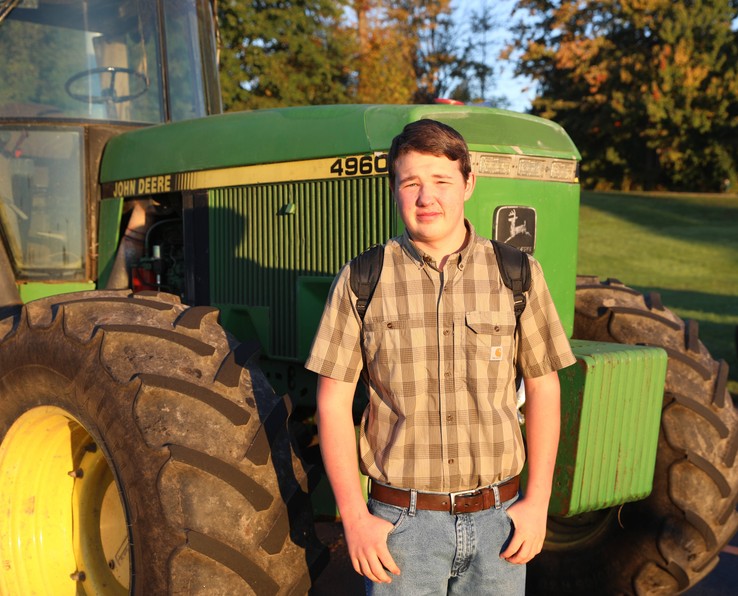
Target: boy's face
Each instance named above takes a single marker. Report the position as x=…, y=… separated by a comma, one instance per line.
x=430, y=192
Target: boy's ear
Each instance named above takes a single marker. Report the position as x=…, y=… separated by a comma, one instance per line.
x=471, y=183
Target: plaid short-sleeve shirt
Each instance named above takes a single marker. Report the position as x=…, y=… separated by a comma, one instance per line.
x=439, y=352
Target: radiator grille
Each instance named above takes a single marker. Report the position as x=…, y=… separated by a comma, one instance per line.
x=263, y=237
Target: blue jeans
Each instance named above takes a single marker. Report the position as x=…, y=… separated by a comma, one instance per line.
x=440, y=553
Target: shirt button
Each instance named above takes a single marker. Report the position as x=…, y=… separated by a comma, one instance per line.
x=447, y=374
x=389, y=325
x=497, y=327
x=451, y=461
x=446, y=332
x=450, y=418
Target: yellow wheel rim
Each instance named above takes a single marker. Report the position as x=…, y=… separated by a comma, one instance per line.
x=63, y=527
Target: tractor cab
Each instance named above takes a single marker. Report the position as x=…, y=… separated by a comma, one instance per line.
x=84, y=71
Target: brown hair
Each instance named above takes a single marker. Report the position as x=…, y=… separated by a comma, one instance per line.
x=433, y=138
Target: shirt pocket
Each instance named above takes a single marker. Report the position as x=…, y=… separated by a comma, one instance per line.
x=394, y=349
x=487, y=341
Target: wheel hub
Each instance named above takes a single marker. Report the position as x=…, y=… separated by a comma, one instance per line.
x=576, y=532
x=65, y=529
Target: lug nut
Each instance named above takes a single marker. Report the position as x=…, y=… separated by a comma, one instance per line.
x=78, y=576
x=78, y=473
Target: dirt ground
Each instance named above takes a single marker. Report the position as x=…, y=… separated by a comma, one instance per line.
x=339, y=576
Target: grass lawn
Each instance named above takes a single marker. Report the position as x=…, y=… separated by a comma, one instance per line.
x=683, y=246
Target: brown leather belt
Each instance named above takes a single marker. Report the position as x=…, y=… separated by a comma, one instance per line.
x=461, y=502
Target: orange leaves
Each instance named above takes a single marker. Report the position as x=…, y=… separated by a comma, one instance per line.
x=637, y=82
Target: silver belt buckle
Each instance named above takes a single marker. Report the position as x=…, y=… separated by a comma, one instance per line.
x=461, y=493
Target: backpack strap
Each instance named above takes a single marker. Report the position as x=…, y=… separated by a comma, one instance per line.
x=513, y=264
x=365, y=271
x=515, y=271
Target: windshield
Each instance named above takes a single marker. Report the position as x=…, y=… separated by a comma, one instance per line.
x=102, y=60
x=41, y=211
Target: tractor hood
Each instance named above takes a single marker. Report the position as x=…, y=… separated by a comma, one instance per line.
x=243, y=139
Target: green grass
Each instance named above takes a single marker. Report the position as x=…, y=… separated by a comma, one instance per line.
x=683, y=246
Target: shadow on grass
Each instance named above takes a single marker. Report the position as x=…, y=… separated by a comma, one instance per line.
x=708, y=219
x=664, y=210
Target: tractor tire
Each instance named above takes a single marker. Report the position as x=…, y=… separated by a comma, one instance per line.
x=667, y=542
x=143, y=452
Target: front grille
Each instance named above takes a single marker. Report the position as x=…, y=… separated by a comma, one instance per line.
x=263, y=237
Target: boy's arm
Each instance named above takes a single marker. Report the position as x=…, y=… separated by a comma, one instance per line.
x=366, y=535
x=542, y=421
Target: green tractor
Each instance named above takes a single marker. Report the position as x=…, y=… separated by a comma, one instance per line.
x=163, y=268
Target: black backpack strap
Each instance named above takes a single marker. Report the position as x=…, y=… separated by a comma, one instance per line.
x=365, y=270
x=367, y=267
x=515, y=272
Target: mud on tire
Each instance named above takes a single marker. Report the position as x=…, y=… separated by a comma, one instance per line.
x=669, y=541
x=214, y=498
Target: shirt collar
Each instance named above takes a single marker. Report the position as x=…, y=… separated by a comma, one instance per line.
x=421, y=259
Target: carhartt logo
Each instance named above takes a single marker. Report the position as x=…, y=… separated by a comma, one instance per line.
x=496, y=353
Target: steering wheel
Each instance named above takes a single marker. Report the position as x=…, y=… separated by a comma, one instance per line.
x=108, y=95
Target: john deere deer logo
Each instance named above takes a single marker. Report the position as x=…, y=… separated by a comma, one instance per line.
x=516, y=229
x=516, y=225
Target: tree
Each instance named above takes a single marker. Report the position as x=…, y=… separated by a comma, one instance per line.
x=384, y=70
x=429, y=27
x=646, y=88
x=403, y=47
x=283, y=52
x=415, y=51
x=480, y=30
x=298, y=52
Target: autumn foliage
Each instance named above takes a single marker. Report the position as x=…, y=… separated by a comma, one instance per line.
x=646, y=88
x=302, y=52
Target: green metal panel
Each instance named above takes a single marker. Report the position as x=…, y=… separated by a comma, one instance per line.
x=611, y=411
x=250, y=322
x=557, y=211
x=290, y=134
x=312, y=293
x=35, y=290
x=111, y=211
x=264, y=238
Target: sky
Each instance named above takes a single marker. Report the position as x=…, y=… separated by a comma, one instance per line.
x=518, y=90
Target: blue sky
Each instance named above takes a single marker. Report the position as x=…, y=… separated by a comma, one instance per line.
x=518, y=90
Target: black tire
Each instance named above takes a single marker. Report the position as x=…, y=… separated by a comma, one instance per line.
x=213, y=497
x=669, y=541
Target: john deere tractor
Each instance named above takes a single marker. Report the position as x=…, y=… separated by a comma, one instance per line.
x=162, y=271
